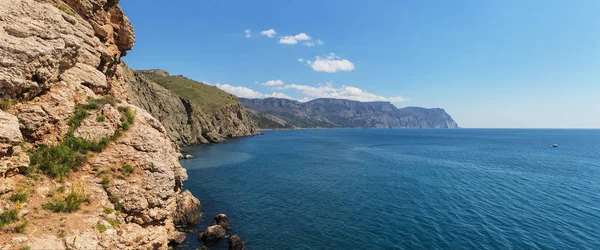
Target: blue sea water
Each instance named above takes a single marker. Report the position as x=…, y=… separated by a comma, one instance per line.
x=403, y=189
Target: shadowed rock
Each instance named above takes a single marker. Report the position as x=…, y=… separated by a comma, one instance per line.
x=188, y=209
x=221, y=220
x=235, y=243
x=213, y=234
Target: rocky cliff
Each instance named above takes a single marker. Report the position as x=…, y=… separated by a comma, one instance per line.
x=188, y=116
x=81, y=165
x=273, y=113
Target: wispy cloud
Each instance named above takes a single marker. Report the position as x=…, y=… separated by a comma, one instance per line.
x=273, y=83
x=247, y=32
x=344, y=92
x=314, y=43
x=268, y=33
x=245, y=92
x=331, y=64
x=294, y=39
x=240, y=91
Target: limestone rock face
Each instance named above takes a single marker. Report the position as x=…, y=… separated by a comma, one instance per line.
x=232, y=121
x=39, y=42
x=188, y=209
x=94, y=128
x=151, y=196
x=186, y=123
x=55, y=55
x=12, y=155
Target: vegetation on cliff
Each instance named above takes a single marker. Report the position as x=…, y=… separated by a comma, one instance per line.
x=209, y=98
x=73, y=152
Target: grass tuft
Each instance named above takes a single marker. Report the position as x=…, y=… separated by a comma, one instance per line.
x=105, y=182
x=70, y=203
x=101, y=228
x=18, y=197
x=100, y=118
x=8, y=217
x=6, y=104
x=127, y=170
x=64, y=8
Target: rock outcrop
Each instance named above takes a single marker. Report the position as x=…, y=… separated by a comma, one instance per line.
x=188, y=209
x=235, y=243
x=213, y=234
x=221, y=220
x=186, y=122
x=56, y=56
x=12, y=155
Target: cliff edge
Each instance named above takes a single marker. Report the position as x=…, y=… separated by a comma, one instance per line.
x=192, y=112
x=81, y=167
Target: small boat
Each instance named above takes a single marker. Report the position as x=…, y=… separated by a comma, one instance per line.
x=555, y=145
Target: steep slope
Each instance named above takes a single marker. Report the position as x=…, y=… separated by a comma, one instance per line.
x=191, y=112
x=340, y=113
x=81, y=168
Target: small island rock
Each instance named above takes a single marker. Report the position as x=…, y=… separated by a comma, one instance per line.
x=236, y=243
x=213, y=234
x=221, y=220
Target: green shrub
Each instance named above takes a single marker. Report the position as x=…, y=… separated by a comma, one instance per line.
x=113, y=223
x=116, y=202
x=5, y=104
x=129, y=118
x=8, y=217
x=18, y=197
x=108, y=210
x=101, y=228
x=127, y=169
x=69, y=204
x=64, y=9
x=100, y=118
x=72, y=152
x=105, y=182
x=25, y=248
x=20, y=228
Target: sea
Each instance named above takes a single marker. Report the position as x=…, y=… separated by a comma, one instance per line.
x=402, y=189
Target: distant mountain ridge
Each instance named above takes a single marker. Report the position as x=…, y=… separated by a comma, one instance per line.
x=278, y=113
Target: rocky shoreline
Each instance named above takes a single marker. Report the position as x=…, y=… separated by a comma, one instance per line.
x=85, y=163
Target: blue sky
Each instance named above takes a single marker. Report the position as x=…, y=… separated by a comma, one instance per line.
x=499, y=64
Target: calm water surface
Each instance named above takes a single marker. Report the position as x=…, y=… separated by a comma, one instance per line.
x=403, y=189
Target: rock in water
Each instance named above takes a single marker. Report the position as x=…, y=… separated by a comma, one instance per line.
x=188, y=209
x=235, y=243
x=221, y=220
x=178, y=237
x=213, y=234
x=189, y=157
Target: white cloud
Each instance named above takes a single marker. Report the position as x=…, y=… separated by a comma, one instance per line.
x=294, y=39
x=268, y=33
x=248, y=34
x=313, y=44
x=279, y=95
x=331, y=64
x=310, y=92
x=240, y=91
x=344, y=92
x=300, y=60
x=273, y=83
